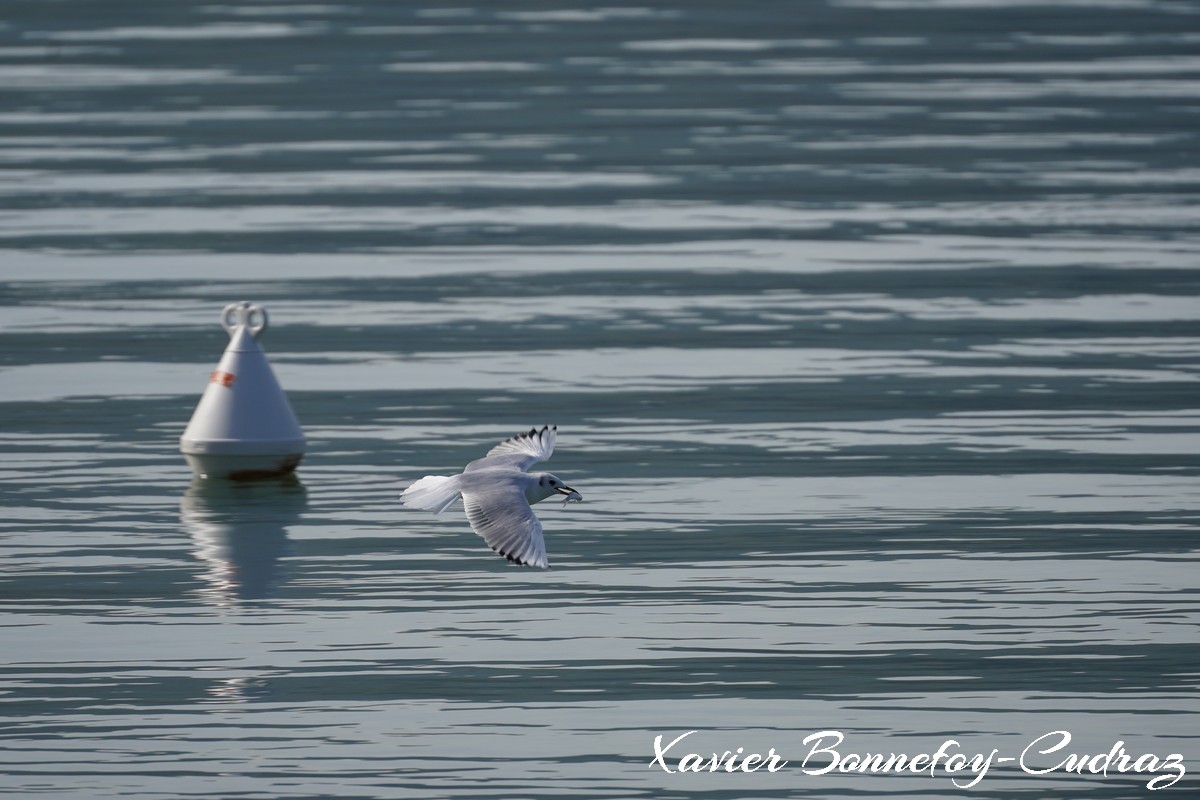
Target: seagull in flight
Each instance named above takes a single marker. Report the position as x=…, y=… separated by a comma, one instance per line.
x=497, y=492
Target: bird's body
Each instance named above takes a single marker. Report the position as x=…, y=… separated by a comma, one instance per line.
x=497, y=492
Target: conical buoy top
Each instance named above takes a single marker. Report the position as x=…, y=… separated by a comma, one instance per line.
x=243, y=426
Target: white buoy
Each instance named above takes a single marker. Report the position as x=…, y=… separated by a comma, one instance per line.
x=243, y=427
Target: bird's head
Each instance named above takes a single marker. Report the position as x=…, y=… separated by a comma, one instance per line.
x=547, y=485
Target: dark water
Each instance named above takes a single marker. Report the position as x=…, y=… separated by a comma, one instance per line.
x=870, y=329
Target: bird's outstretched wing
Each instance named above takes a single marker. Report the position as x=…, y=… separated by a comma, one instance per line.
x=502, y=516
x=521, y=451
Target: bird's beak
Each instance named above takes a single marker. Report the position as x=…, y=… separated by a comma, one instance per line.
x=565, y=490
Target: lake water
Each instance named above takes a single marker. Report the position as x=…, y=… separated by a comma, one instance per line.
x=870, y=328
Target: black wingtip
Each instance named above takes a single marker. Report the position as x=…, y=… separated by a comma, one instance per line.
x=511, y=558
x=534, y=433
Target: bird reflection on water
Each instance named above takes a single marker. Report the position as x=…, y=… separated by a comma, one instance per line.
x=240, y=533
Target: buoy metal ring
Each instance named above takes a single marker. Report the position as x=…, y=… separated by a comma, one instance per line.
x=244, y=315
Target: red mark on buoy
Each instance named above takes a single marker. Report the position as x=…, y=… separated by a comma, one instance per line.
x=223, y=378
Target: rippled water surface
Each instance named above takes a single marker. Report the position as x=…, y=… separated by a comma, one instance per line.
x=869, y=326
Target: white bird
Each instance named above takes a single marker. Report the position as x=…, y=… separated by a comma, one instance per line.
x=497, y=493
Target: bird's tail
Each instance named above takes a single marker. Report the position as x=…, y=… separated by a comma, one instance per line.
x=432, y=493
